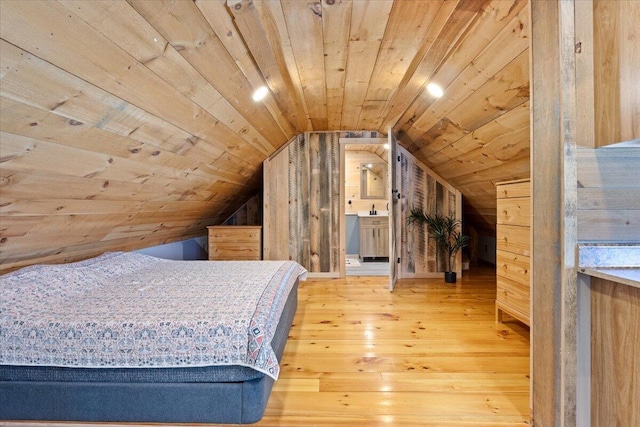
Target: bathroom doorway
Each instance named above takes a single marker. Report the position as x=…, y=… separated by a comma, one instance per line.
x=365, y=189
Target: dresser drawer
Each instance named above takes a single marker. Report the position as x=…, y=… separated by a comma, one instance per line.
x=513, y=267
x=514, y=238
x=220, y=235
x=515, y=189
x=234, y=251
x=514, y=211
x=514, y=295
x=235, y=242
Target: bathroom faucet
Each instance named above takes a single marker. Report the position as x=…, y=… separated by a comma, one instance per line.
x=373, y=209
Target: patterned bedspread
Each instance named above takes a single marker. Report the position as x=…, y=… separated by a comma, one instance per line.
x=133, y=310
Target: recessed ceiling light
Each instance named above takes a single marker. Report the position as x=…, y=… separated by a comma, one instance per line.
x=435, y=90
x=260, y=93
x=386, y=146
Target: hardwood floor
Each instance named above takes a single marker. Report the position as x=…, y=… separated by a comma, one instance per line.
x=428, y=354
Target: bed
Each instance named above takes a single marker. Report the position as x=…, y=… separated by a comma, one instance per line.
x=130, y=337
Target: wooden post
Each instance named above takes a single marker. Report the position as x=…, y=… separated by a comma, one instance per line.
x=554, y=192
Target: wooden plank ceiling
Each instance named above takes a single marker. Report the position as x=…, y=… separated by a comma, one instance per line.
x=126, y=124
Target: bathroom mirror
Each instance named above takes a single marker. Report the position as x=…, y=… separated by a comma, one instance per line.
x=373, y=181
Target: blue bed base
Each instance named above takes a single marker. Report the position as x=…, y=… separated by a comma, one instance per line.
x=185, y=402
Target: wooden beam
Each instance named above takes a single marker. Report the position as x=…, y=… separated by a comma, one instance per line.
x=554, y=186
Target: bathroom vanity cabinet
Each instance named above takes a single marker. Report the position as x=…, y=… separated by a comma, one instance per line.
x=374, y=237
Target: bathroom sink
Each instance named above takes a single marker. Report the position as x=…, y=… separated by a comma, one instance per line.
x=378, y=213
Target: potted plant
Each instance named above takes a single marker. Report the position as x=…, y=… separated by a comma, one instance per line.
x=445, y=230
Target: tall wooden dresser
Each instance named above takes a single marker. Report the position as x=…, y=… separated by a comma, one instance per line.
x=235, y=242
x=513, y=235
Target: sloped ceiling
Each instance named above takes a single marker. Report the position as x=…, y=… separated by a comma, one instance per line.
x=126, y=124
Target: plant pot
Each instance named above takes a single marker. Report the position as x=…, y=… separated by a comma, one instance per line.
x=450, y=276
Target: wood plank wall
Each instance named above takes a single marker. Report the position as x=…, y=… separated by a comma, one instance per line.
x=249, y=214
x=117, y=133
x=302, y=195
x=609, y=194
x=615, y=346
x=302, y=199
x=616, y=59
x=420, y=187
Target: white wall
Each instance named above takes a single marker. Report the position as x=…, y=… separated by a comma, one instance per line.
x=187, y=250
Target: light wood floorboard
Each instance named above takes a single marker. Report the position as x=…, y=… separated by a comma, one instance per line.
x=428, y=354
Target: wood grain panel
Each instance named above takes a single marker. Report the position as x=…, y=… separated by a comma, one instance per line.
x=513, y=189
x=607, y=209
x=554, y=191
x=504, y=139
x=276, y=207
x=216, y=14
x=407, y=27
x=513, y=266
x=310, y=200
x=514, y=211
x=336, y=24
x=615, y=345
x=184, y=26
x=37, y=83
x=421, y=187
x=508, y=27
x=451, y=23
x=515, y=239
x=514, y=298
x=85, y=62
x=164, y=89
x=509, y=89
x=368, y=23
x=304, y=26
x=125, y=27
x=265, y=42
x=616, y=61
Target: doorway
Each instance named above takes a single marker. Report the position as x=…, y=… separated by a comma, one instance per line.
x=365, y=216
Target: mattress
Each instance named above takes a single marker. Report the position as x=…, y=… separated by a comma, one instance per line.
x=46, y=372
x=128, y=310
x=141, y=398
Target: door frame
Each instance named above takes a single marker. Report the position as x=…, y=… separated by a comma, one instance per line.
x=343, y=221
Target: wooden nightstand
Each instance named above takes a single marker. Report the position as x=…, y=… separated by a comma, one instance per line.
x=235, y=242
